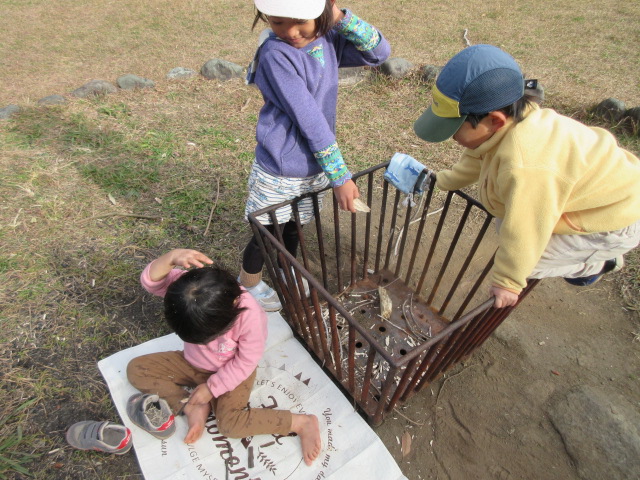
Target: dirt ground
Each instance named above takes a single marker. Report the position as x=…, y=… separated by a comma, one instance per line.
x=489, y=418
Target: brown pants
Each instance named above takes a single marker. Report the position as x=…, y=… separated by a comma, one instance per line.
x=166, y=373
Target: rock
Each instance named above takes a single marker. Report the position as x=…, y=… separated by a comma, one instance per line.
x=131, y=82
x=7, y=111
x=180, y=72
x=217, y=69
x=611, y=110
x=93, y=88
x=632, y=119
x=396, y=67
x=600, y=431
x=429, y=73
x=52, y=100
x=351, y=75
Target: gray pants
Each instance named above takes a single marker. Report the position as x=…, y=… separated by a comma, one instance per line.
x=573, y=256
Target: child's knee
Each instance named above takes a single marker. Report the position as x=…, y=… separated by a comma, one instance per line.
x=231, y=424
x=136, y=370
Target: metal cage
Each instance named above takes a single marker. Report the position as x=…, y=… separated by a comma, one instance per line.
x=387, y=300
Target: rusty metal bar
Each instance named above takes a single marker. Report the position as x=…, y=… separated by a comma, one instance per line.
x=335, y=342
x=383, y=213
x=367, y=238
x=463, y=269
x=406, y=376
x=403, y=239
x=392, y=229
x=434, y=241
x=351, y=373
x=366, y=382
x=384, y=394
x=421, y=225
x=336, y=233
x=320, y=239
x=450, y=250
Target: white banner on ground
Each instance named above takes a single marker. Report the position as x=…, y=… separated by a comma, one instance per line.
x=287, y=378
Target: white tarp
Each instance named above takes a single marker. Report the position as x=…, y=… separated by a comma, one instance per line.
x=287, y=378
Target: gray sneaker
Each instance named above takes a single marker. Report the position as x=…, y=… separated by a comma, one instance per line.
x=152, y=414
x=101, y=436
x=265, y=296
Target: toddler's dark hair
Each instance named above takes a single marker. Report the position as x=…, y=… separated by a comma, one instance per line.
x=201, y=304
x=324, y=22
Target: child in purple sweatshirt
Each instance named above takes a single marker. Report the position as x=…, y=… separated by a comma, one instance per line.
x=296, y=70
x=224, y=332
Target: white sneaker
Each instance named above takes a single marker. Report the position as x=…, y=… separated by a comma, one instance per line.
x=265, y=296
x=305, y=284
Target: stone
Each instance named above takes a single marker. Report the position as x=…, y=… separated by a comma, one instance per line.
x=180, y=72
x=396, y=67
x=351, y=75
x=132, y=82
x=52, y=100
x=430, y=73
x=7, y=111
x=93, y=88
x=632, y=120
x=600, y=431
x=217, y=69
x=611, y=110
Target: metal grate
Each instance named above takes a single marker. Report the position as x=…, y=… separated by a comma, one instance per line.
x=430, y=260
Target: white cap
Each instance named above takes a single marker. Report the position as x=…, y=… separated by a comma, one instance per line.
x=302, y=9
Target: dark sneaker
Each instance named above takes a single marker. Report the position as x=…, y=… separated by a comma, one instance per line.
x=152, y=414
x=610, y=266
x=101, y=436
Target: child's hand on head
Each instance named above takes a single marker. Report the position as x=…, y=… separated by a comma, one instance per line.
x=346, y=194
x=184, y=257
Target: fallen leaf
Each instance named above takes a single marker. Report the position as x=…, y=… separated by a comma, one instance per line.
x=406, y=444
x=555, y=372
x=360, y=206
x=111, y=199
x=386, y=305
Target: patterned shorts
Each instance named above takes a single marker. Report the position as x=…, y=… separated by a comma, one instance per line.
x=266, y=190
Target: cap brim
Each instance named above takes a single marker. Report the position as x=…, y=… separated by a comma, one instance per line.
x=303, y=10
x=433, y=128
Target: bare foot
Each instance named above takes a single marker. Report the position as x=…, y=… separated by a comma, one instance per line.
x=307, y=428
x=196, y=417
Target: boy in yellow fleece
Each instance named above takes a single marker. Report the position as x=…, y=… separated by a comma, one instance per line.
x=566, y=196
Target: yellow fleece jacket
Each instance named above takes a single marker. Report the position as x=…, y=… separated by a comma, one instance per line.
x=547, y=174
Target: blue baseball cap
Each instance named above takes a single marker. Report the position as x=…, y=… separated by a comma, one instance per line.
x=478, y=80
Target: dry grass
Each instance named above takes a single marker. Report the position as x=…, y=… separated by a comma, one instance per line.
x=70, y=255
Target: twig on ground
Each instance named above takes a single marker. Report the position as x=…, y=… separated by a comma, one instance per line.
x=213, y=209
x=407, y=418
x=466, y=38
x=132, y=215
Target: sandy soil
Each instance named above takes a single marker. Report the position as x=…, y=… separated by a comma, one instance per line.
x=489, y=417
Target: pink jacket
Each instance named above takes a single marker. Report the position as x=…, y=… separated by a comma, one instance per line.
x=234, y=355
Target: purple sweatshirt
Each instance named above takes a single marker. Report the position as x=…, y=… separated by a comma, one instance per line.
x=296, y=126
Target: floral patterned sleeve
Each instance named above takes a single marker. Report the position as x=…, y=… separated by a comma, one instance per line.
x=363, y=35
x=332, y=163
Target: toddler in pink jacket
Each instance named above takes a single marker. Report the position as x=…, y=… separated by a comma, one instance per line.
x=224, y=332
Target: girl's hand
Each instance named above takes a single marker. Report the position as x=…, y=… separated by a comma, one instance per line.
x=337, y=13
x=345, y=194
x=180, y=257
x=183, y=257
x=201, y=395
x=504, y=297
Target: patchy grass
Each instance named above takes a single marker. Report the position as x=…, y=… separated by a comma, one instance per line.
x=95, y=189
